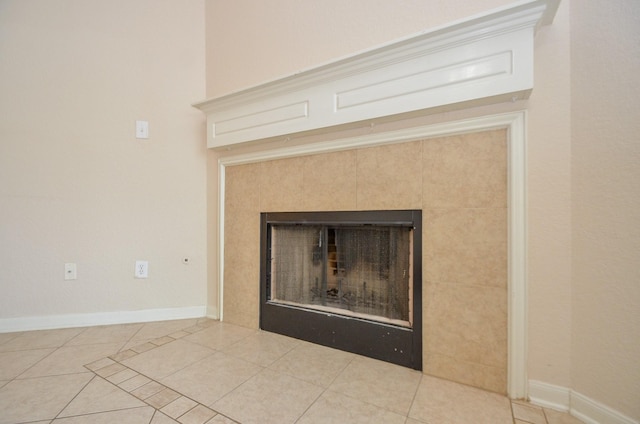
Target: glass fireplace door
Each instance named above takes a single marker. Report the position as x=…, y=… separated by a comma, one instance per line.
x=360, y=271
x=350, y=280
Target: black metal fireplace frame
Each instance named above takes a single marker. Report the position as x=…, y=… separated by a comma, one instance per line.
x=396, y=344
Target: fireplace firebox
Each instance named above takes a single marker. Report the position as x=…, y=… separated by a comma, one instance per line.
x=350, y=280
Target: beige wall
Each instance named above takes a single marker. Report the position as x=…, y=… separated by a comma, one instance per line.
x=605, y=159
x=75, y=183
x=549, y=206
x=250, y=42
x=581, y=282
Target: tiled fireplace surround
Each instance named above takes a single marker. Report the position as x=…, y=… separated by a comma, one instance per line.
x=460, y=183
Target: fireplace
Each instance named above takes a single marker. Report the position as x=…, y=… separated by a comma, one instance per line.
x=458, y=182
x=274, y=142
x=349, y=280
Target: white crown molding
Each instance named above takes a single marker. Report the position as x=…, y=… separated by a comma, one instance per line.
x=8, y=325
x=484, y=59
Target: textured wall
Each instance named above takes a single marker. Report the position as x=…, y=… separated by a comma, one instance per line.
x=459, y=182
x=605, y=114
x=75, y=183
x=251, y=42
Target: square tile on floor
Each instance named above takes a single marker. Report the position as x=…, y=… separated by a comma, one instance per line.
x=37, y=399
x=262, y=348
x=440, y=401
x=165, y=360
x=334, y=407
x=269, y=397
x=211, y=378
x=388, y=386
x=100, y=396
x=313, y=363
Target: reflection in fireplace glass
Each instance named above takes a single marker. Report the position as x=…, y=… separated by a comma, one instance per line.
x=359, y=271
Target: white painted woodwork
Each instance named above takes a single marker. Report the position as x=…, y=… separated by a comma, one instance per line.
x=484, y=59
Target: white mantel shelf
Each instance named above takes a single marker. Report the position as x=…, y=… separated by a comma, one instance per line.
x=481, y=60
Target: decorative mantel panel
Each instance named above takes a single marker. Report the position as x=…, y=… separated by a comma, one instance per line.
x=482, y=60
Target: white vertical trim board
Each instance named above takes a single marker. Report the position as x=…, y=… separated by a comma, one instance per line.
x=221, y=194
x=517, y=264
x=8, y=325
x=580, y=406
x=515, y=123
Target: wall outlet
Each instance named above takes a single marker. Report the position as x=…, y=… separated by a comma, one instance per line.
x=70, y=271
x=142, y=269
x=142, y=129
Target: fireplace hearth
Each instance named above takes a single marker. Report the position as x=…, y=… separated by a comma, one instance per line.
x=348, y=280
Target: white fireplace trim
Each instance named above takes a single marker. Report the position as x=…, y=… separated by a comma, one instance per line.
x=515, y=123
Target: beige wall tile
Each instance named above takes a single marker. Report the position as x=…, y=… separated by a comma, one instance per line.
x=281, y=185
x=241, y=284
x=241, y=194
x=467, y=324
x=465, y=246
x=477, y=375
x=242, y=245
x=390, y=177
x=329, y=181
x=466, y=171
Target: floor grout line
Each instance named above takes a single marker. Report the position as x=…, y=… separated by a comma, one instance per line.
x=164, y=387
x=74, y=397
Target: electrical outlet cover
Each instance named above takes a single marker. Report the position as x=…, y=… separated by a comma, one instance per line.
x=142, y=269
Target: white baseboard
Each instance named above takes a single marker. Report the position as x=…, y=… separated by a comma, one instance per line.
x=549, y=396
x=591, y=411
x=8, y=325
x=580, y=406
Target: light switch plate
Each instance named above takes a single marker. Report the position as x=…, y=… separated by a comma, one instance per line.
x=70, y=271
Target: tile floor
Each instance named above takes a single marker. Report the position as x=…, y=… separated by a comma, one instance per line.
x=204, y=371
